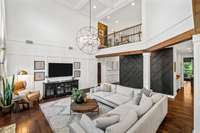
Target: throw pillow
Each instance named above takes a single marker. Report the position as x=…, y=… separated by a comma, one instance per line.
x=122, y=126
x=137, y=98
x=106, y=121
x=145, y=104
x=107, y=87
x=147, y=92
x=88, y=125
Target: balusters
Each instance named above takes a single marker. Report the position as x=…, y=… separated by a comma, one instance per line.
x=128, y=35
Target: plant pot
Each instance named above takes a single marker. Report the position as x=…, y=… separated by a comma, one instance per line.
x=7, y=109
x=80, y=101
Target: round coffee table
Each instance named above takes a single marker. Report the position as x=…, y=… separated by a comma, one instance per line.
x=89, y=106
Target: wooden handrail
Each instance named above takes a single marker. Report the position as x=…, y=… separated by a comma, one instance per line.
x=124, y=36
x=124, y=29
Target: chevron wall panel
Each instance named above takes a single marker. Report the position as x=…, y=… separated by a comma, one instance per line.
x=162, y=71
x=131, y=71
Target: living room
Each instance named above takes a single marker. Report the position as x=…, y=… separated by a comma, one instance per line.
x=87, y=66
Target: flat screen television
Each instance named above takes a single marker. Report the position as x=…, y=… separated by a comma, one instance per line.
x=60, y=69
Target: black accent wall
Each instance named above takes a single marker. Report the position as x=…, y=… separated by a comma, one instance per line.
x=131, y=71
x=162, y=71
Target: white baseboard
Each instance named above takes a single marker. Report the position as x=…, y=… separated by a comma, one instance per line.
x=170, y=96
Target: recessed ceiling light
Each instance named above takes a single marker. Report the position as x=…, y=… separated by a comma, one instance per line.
x=133, y=3
x=117, y=21
x=94, y=6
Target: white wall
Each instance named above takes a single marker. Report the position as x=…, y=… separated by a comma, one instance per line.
x=109, y=69
x=169, y=18
x=52, y=27
x=161, y=20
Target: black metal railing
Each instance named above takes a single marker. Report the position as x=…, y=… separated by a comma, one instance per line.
x=128, y=35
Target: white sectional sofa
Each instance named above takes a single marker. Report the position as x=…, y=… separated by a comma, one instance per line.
x=143, y=118
x=117, y=96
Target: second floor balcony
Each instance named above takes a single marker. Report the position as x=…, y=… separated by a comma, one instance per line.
x=128, y=35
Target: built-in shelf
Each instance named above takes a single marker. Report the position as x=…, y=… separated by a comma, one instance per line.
x=59, y=88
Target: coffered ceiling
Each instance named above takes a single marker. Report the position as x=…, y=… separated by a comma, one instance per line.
x=100, y=9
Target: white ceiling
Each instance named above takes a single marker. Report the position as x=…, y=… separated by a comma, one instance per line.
x=124, y=17
x=103, y=7
x=118, y=10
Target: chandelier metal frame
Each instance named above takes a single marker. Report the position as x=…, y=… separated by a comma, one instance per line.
x=87, y=37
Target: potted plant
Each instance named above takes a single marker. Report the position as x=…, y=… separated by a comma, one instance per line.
x=6, y=96
x=78, y=96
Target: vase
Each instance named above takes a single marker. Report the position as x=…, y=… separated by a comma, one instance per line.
x=85, y=99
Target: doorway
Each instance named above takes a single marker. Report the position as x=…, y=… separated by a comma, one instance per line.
x=188, y=70
x=99, y=74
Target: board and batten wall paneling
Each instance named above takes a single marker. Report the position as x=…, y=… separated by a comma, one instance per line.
x=162, y=71
x=53, y=37
x=109, y=69
x=131, y=71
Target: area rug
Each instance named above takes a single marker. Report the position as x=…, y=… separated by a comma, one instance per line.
x=8, y=129
x=58, y=115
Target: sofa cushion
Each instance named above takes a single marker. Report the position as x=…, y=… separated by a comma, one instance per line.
x=88, y=125
x=76, y=128
x=126, y=91
x=102, y=94
x=107, y=120
x=121, y=110
x=117, y=99
x=136, y=91
x=121, y=127
x=156, y=97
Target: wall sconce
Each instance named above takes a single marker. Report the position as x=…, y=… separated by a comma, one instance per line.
x=23, y=75
x=22, y=72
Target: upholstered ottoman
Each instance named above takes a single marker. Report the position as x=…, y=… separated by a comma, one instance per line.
x=33, y=97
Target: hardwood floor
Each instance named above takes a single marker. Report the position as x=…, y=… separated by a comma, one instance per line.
x=180, y=113
x=178, y=120
x=29, y=121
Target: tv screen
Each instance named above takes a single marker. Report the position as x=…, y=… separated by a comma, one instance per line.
x=60, y=69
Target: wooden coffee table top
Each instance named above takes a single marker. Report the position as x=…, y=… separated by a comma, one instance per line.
x=89, y=106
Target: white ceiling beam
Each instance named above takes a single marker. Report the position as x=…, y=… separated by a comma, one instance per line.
x=81, y=4
x=120, y=4
x=108, y=3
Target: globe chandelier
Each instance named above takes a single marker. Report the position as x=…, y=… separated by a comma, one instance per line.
x=87, y=37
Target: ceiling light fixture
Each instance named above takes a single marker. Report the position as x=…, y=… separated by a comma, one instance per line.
x=94, y=6
x=117, y=21
x=133, y=3
x=87, y=37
